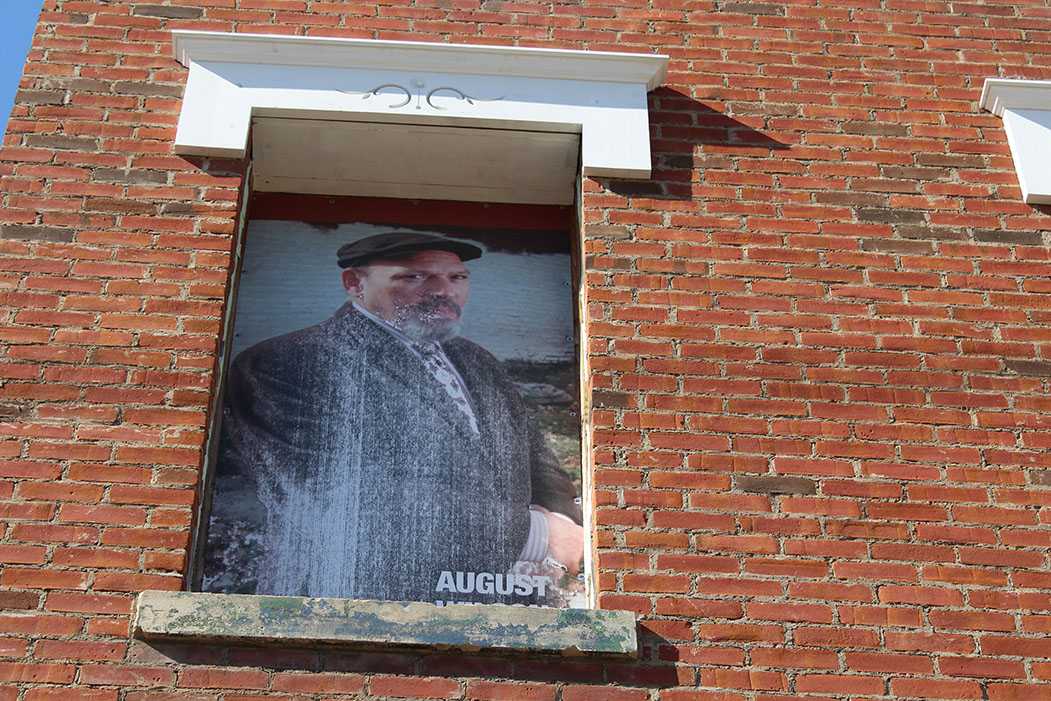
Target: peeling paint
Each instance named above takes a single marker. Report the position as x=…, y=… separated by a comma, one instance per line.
x=247, y=619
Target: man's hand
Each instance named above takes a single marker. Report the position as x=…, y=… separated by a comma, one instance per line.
x=565, y=541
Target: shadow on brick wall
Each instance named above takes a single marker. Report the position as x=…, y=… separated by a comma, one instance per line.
x=642, y=672
x=679, y=127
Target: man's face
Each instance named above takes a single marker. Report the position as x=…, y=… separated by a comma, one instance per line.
x=422, y=295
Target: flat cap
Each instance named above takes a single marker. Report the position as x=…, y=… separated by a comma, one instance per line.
x=395, y=243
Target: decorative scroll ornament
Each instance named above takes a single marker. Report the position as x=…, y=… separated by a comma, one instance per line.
x=376, y=91
x=421, y=96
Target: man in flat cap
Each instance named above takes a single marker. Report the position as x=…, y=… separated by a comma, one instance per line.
x=389, y=455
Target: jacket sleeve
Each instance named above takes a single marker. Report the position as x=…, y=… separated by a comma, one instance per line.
x=260, y=408
x=237, y=516
x=552, y=487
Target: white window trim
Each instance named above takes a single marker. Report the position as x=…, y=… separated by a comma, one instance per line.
x=599, y=95
x=1025, y=106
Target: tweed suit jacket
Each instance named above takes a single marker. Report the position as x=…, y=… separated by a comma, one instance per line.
x=370, y=481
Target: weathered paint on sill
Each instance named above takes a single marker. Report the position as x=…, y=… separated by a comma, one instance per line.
x=245, y=619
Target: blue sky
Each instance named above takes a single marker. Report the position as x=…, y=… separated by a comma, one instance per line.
x=17, y=21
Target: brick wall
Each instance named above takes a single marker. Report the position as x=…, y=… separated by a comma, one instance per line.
x=821, y=351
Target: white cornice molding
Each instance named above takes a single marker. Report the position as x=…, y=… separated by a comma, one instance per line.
x=470, y=59
x=599, y=95
x=1025, y=106
x=999, y=94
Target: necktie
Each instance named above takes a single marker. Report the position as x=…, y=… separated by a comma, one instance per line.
x=442, y=371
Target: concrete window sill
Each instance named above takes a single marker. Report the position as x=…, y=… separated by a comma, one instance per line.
x=299, y=621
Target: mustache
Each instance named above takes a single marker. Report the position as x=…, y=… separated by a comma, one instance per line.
x=435, y=304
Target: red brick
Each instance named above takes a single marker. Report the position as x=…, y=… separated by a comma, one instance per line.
x=602, y=693
x=1017, y=692
x=935, y=689
x=77, y=602
x=480, y=690
x=43, y=579
x=318, y=683
x=839, y=683
x=885, y=662
x=976, y=620
x=130, y=675
x=981, y=667
x=414, y=688
x=80, y=650
x=36, y=673
x=70, y=694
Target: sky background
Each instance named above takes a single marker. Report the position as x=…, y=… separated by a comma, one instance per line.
x=17, y=21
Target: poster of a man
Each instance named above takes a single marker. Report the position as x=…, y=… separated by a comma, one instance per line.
x=380, y=454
